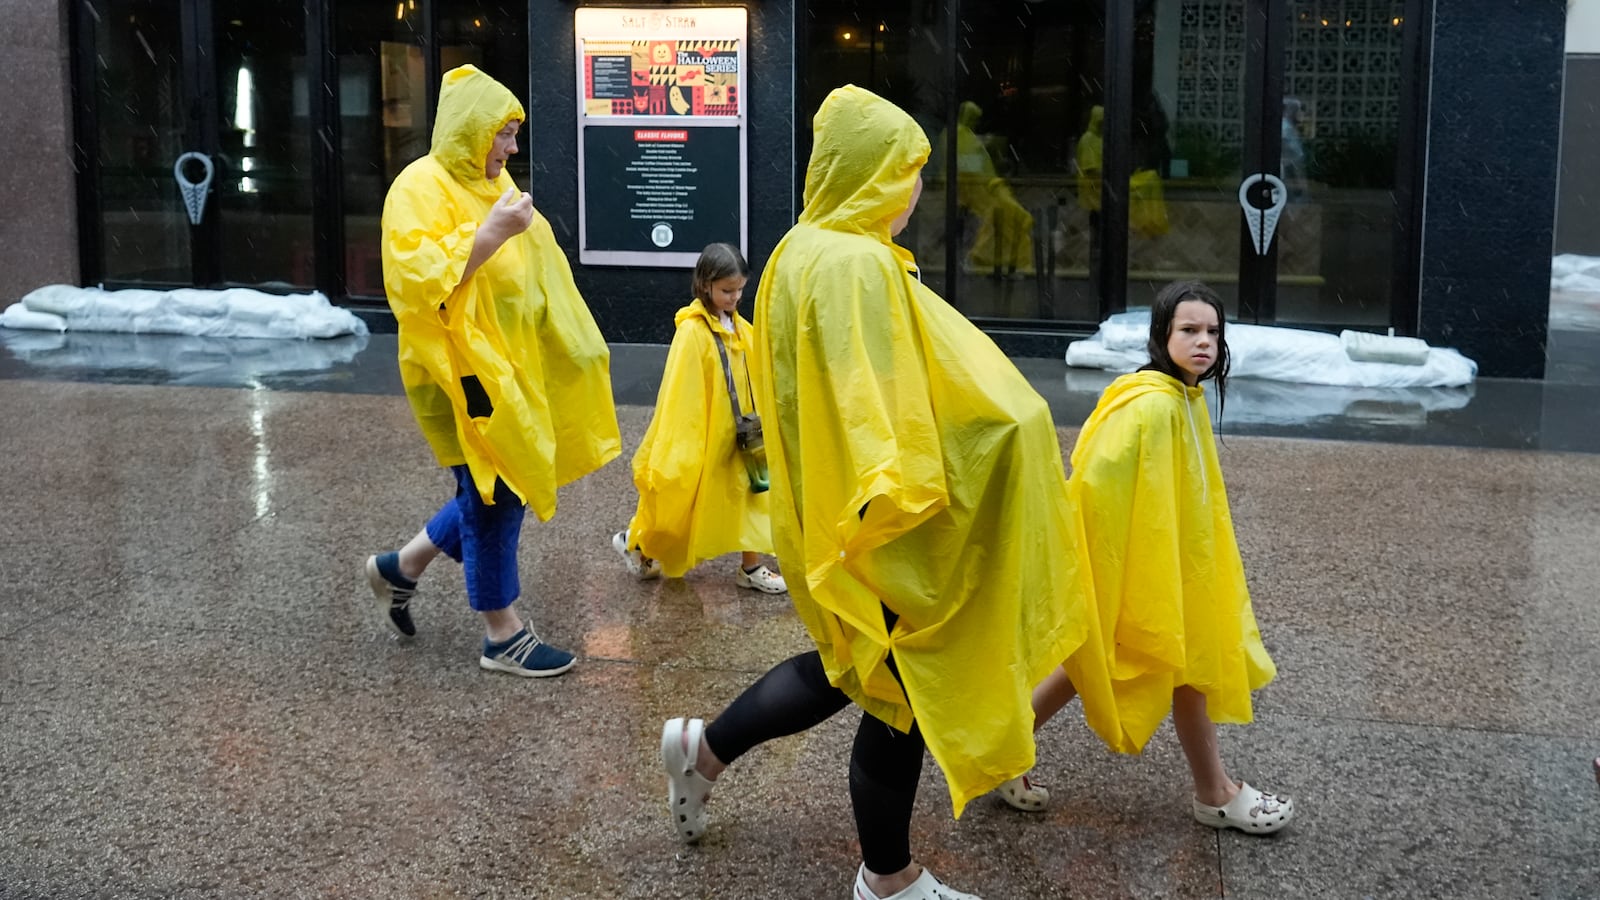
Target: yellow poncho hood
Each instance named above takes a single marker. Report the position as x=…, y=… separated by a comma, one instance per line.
x=1172, y=607
x=912, y=467
x=695, y=501
x=516, y=334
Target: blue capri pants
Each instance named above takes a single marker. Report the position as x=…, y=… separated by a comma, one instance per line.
x=483, y=539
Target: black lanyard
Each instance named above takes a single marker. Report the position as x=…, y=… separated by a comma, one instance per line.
x=727, y=372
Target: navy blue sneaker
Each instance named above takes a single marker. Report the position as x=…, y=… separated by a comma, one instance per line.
x=393, y=592
x=524, y=654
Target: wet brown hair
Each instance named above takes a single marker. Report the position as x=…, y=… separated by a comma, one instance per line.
x=717, y=261
x=1162, y=312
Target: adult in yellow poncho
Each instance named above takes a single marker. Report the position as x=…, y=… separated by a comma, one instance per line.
x=1176, y=629
x=918, y=508
x=1147, y=206
x=502, y=363
x=1004, y=243
x=697, y=499
x=1090, y=154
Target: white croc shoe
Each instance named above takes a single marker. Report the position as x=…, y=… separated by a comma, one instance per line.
x=762, y=579
x=926, y=887
x=640, y=567
x=687, y=790
x=1023, y=794
x=1250, y=811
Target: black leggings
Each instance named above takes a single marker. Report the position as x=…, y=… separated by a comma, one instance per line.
x=885, y=765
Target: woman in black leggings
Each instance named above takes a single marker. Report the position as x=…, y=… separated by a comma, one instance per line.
x=885, y=764
x=918, y=508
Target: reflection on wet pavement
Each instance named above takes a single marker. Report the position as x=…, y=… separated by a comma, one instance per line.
x=196, y=702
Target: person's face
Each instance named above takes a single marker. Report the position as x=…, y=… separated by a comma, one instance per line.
x=503, y=148
x=1192, y=342
x=899, y=223
x=726, y=293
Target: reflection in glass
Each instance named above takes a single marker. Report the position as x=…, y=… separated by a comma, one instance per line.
x=139, y=103
x=1028, y=79
x=263, y=179
x=383, y=101
x=895, y=50
x=1027, y=75
x=1344, y=79
x=383, y=120
x=1336, y=133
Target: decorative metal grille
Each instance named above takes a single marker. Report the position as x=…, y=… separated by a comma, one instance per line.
x=1343, y=65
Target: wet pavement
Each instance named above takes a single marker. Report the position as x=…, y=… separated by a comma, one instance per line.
x=196, y=699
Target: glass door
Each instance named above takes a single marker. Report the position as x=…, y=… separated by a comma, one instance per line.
x=263, y=182
x=137, y=93
x=1030, y=91
x=391, y=54
x=198, y=119
x=1266, y=151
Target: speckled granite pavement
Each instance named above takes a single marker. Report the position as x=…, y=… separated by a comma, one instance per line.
x=195, y=701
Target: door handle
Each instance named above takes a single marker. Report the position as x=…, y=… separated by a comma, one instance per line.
x=194, y=192
x=1262, y=197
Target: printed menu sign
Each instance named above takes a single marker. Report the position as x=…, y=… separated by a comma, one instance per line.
x=661, y=133
x=661, y=189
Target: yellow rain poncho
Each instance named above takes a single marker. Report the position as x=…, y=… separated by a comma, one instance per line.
x=518, y=326
x=695, y=500
x=912, y=467
x=1171, y=601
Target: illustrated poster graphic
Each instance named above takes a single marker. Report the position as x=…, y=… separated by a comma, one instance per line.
x=666, y=77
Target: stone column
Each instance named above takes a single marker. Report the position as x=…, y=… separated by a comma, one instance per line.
x=39, y=224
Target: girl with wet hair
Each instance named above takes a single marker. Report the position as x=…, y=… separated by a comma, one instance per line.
x=697, y=497
x=1161, y=315
x=1177, y=632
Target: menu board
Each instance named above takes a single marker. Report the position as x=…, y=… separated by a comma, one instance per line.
x=661, y=133
x=679, y=189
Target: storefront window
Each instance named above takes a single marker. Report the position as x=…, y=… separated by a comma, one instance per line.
x=263, y=184
x=383, y=100
x=383, y=119
x=895, y=50
x=138, y=92
x=1340, y=131
x=1019, y=124
x=1029, y=93
x=1026, y=79
x=1336, y=137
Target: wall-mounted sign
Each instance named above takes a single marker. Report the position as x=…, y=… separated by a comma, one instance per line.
x=661, y=133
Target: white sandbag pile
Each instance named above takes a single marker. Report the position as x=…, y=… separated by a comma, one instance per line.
x=1574, y=273
x=183, y=358
x=1354, y=359
x=234, y=312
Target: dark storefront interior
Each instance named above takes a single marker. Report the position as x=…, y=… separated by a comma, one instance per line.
x=1032, y=120
x=1036, y=111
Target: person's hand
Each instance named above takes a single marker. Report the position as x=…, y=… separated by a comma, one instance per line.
x=510, y=216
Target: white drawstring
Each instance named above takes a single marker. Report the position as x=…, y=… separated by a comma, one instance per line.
x=1200, y=458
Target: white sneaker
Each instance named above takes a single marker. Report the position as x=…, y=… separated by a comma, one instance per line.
x=762, y=579
x=642, y=569
x=926, y=887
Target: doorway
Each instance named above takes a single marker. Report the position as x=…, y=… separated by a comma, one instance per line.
x=212, y=95
x=1100, y=150
x=301, y=112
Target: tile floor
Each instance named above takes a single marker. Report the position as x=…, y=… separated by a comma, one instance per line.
x=195, y=700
